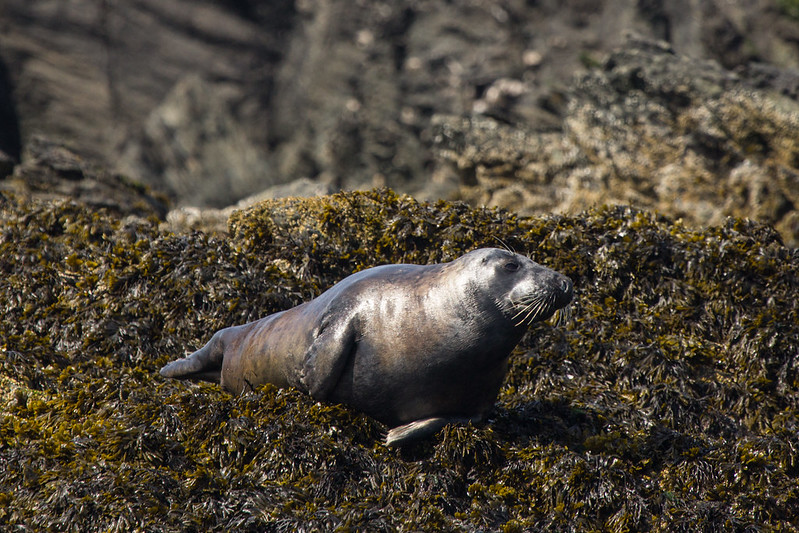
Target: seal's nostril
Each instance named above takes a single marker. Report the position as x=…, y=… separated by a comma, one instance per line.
x=565, y=285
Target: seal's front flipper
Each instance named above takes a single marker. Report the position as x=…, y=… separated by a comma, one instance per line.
x=204, y=364
x=421, y=429
x=326, y=358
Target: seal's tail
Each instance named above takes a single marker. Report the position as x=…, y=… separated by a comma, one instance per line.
x=205, y=364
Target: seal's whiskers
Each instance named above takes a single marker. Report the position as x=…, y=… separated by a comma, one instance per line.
x=542, y=308
x=523, y=306
x=528, y=309
x=533, y=307
x=562, y=316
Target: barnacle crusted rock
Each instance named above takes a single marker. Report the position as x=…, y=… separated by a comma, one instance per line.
x=670, y=399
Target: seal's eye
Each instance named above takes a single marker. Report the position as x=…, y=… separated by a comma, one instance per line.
x=512, y=266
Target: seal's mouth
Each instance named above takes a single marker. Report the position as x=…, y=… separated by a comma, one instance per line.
x=538, y=307
x=561, y=316
x=543, y=305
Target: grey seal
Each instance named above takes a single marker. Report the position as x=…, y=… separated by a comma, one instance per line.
x=413, y=346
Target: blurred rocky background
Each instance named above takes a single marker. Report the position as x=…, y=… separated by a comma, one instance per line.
x=686, y=107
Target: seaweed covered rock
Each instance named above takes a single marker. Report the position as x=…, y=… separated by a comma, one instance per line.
x=330, y=237
x=668, y=403
x=647, y=127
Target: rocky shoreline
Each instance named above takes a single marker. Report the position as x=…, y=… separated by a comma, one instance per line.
x=167, y=170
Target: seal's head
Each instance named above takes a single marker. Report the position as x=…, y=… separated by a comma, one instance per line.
x=524, y=291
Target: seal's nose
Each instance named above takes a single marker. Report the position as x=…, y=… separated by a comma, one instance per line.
x=566, y=289
x=566, y=285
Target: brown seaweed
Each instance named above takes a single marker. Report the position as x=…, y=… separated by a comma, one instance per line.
x=669, y=402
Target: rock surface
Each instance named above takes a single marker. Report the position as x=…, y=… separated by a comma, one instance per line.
x=202, y=154
x=326, y=90
x=92, y=72
x=52, y=171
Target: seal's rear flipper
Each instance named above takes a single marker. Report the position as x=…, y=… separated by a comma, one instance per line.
x=177, y=370
x=421, y=429
x=205, y=364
